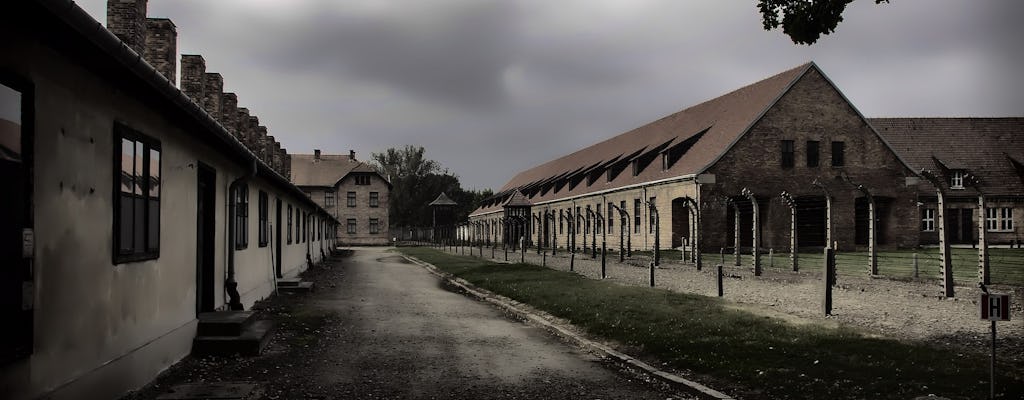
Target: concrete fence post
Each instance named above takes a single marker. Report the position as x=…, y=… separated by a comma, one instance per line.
x=829, y=272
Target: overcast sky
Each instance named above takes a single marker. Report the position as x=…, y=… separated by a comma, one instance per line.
x=494, y=87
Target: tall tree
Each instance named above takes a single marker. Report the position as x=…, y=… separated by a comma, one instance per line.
x=416, y=181
x=804, y=21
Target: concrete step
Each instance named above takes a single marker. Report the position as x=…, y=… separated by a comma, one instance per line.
x=251, y=342
x=224, y=323
x=293, y=281
x=301, y=287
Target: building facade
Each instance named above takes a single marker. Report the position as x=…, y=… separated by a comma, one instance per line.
x=352, y=191
x=132, y=206
x=743, y=162
x=978, y=164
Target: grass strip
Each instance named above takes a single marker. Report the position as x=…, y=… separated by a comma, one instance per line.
x=746, y=354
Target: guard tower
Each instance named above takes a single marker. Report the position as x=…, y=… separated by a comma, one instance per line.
x=517, y=219
x=443, y=209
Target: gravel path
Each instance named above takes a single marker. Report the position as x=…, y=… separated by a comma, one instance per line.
x=379, y=327
x=906, y=310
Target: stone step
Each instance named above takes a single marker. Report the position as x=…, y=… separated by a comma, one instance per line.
x=294, y=281
x=250, y=342
x=301, y=287
x=224, y=323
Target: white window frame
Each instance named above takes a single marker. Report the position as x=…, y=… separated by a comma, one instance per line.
x=928, y=220
x=999, y=219
x=956, y=180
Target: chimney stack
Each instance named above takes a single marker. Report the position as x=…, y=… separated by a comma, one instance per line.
x=287, y=161
x=242, y=126
x=352, y=155
x=162, y=47
x=260, y=144
x=229, y=114
x=126, y=19
x=213, y=88
x=193, y=67
x=316, y=154
x=278, y=160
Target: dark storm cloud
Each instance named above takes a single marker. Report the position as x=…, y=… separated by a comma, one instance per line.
x=492, y=87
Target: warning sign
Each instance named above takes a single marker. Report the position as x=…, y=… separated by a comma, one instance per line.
x=995, y=307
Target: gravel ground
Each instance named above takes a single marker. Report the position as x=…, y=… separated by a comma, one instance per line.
x=901, y=309
x=378, y=327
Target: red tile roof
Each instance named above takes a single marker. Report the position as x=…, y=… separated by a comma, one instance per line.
x=694, y=138
x=985, y=147
x=325, y=172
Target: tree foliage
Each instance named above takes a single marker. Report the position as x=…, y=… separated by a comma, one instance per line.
x=804, y=21
x=416, y=181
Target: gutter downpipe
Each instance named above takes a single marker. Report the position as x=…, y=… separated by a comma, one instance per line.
x=230, y=285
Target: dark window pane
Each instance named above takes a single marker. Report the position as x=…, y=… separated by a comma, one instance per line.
x=140, y=156
x=125, y=228
x=154, y=226
x=812, y=153
x=154, y=173
x=139, y=225
x=10, y=110
x=838, y=158
x=127, y=166
x=787, y=154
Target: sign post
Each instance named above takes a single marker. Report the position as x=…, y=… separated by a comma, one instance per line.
x=994, y=307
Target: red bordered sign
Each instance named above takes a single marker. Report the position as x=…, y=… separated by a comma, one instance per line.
x=995, y=307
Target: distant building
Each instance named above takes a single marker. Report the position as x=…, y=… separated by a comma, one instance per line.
x=352, y=191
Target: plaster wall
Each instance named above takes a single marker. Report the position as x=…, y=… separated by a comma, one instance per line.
x=101, y=328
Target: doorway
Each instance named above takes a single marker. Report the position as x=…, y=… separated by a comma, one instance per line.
x=206, y=214
x=277, y=237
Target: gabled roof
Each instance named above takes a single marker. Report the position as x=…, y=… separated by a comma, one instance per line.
x=517, y=199
x=330, y=169
x=988, y=148
x=714, y=126
x=443, y=200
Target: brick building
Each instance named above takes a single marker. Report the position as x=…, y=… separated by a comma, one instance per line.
x=969, y=157
x=352, y=191
x=730, y=156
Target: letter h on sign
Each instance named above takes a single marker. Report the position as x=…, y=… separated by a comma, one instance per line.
x=995, y=307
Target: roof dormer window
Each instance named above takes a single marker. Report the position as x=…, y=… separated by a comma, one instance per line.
x=956, y=180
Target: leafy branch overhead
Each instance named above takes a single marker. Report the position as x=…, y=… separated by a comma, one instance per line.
x=804, y=21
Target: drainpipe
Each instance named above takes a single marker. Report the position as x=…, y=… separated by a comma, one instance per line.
x=230, y=285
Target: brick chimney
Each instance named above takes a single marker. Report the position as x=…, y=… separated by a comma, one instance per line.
x=287, y=161
x=316, y=154
x=162, y=47
x=258, y=141
x=126, y=19
x=352, y=155
x=278, y=159
x=229, y=113
x=213, y=88
x=193, y=67
x=242, y=126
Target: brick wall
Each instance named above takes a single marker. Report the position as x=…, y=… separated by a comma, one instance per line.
x=811, y=111
x=362, y=212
